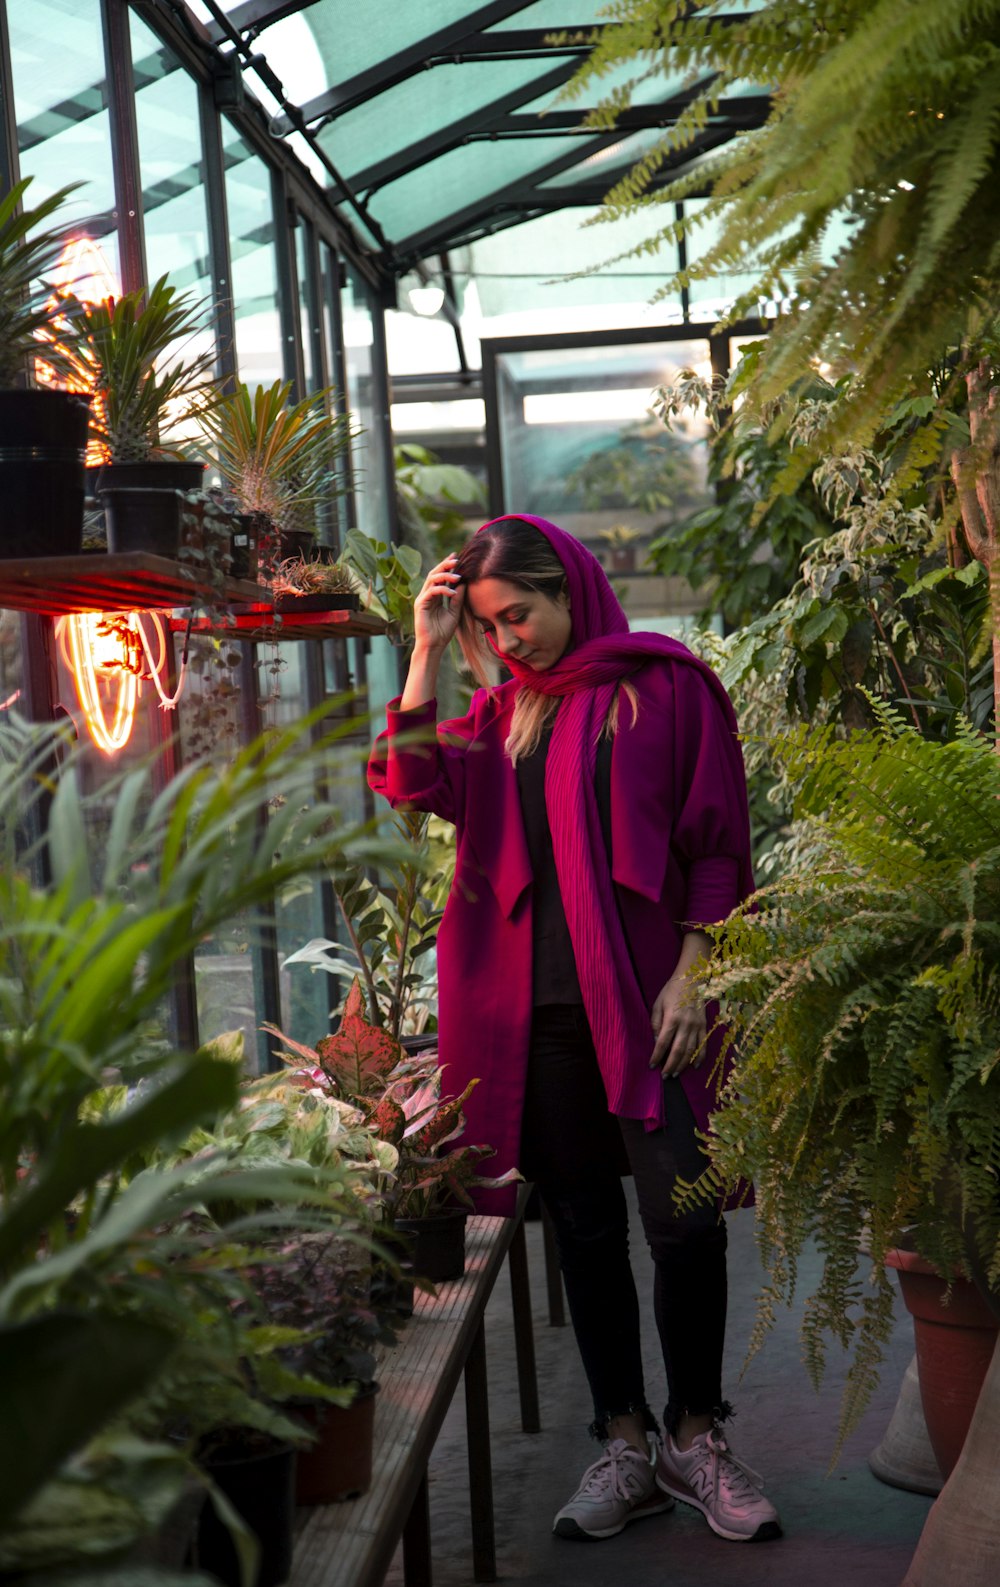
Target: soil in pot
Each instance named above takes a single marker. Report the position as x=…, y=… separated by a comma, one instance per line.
x=954, y=1343
x=438, y=1243
x=338, y=1465
x=43, y=439
x=259, y=1482
x=142, y=503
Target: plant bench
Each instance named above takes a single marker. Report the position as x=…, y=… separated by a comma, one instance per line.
x=352, y=1544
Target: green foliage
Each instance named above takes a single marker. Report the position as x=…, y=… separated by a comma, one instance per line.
x=885, y=115
x=281, y=459
x=438, y=496
x=644, y=470
x=95, y=1223
x=742, y=560
x=29, y=332
x=863, y=995
x=389, y=577
x=130, y=353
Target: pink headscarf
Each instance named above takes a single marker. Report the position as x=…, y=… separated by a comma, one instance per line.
x=602, y=652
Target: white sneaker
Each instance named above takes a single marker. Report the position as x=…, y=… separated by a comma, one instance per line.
x=618, y=1488
x=728, y=1494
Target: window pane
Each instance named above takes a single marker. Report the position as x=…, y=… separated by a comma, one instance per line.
x=372, y=507
x=60, y=100
x=255, y=267
x=172, y=165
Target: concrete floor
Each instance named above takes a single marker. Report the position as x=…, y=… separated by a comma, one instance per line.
x=841, y=1527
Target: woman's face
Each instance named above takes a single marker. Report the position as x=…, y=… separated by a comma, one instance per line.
x=522, y=624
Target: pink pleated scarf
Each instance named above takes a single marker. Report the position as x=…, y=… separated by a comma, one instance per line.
x=602, y=652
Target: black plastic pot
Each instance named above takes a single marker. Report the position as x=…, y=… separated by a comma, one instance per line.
x=260, y=1485
x=244, y=547
x=43, y=438
x=438, y=1243
x=142, y=503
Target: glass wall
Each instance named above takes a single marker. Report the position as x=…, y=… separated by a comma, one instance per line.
x=579, y=445
x=171, y=163
x=256, y=300
x=63, y=130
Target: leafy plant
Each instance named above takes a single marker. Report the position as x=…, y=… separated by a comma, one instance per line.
x=30, y=333
x=281, y=458
x=130, y=353
x=392, y=929
x=398, y=1096
x=389, y=578
x=440, y=497
x=645, y=470
x=861, y=992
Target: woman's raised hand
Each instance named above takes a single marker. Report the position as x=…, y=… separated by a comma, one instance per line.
x=438, y=606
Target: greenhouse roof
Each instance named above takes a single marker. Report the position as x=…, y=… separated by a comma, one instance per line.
x=436, y=123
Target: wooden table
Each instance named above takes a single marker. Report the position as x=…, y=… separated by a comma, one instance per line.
x=352, y=1544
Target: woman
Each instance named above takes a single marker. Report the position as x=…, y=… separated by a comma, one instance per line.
x=602, y=822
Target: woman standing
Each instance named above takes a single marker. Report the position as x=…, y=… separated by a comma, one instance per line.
x=601, y=819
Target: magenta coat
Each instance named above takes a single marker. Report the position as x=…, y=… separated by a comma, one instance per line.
x=678, y=828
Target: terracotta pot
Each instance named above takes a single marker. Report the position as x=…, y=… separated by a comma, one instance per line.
x=438, y=1250
x=338, y=1465
x=960, y=1543
x=954, y=1348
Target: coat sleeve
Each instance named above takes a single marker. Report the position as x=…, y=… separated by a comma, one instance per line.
x=711, y=833
x=419, y=763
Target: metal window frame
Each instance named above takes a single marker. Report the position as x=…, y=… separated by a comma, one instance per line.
x=495, y=347
x=124, y=143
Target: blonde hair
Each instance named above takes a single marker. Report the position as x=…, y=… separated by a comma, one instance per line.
x=519, y=554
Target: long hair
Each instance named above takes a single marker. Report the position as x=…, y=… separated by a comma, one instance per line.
x=519, y=554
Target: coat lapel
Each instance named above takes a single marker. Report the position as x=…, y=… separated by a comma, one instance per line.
x=494, y=824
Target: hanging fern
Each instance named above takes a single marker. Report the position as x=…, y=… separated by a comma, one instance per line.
x=863, y=995
x=885, y=113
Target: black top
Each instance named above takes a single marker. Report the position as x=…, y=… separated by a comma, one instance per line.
x=554, y=977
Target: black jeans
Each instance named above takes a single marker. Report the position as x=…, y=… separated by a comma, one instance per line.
x=576, y=1152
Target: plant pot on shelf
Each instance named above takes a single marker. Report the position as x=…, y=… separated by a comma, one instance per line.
x=955, y=1342
x=243, y=563
x=43, y=439
x=259, y=1483
x=338, y=1465
x=143, y=503
x=438, y=1243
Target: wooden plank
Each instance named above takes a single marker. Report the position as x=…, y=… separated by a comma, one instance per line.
x=258, y=625
x=352, y=1544
x=124, y=581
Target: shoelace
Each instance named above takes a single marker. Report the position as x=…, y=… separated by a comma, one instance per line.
x=746, y=1478
x=608, y=1472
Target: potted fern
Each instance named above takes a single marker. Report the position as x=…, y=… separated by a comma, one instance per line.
x=859, y=993
x=139, y=356
x=43, y=431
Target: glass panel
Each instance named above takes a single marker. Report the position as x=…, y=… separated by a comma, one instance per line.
x=172, y=165
x=580, y=447
x=255, y=266
x=11, y=670
x=60, y=100
x=307, y=318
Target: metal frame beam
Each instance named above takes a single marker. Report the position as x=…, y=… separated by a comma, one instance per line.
x=10, y=169
x=526, y=200
x=340, y=98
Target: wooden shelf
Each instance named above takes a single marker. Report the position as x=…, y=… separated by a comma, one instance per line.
x=127, y=581
x=256, y=622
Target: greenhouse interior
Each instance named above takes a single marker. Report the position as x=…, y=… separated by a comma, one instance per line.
x=499, y=638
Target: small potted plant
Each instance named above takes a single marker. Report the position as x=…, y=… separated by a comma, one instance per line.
x=314, y=1287
x=310, y=584
x=147, y=388
x=43, y=432
x=622, y=544
x=398, y=1095
x=280, y=459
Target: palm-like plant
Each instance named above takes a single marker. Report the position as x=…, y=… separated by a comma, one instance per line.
x=130, y=353
x=28, y=335
x=279, y=457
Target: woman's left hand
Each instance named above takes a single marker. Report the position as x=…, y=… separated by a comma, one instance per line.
x=679, y=1024
x=678, y=1019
